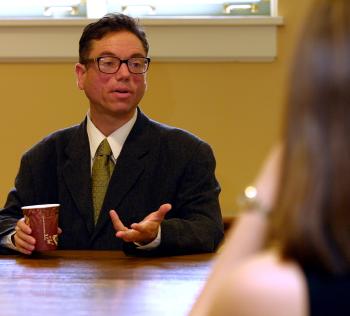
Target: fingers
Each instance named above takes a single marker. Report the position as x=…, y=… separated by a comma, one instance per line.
x=23, y=226
x=159, y=215
x=151, y=223
x=117, y=223
x=122, y=231
x=145, y=227
x=143, y=232
x=268, y=178
x=129, y=235
x=163, y=210
x=23, y=241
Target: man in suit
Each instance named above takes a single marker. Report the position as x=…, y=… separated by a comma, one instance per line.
x=162, y=196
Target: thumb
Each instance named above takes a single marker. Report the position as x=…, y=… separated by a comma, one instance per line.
x=161, y=212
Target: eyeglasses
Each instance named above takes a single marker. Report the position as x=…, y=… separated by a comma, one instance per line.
x=111, y=64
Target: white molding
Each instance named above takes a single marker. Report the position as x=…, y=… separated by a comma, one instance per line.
x=171, y=39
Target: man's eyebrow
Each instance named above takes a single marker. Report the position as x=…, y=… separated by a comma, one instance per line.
x=109, y=53
x=137, y=55
x=106, y=53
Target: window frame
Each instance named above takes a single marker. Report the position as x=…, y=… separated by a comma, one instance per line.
x=171, y=39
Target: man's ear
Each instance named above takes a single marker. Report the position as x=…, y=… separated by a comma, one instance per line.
x=80, y=71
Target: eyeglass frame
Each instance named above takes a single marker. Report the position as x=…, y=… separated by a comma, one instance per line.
x=121, y=61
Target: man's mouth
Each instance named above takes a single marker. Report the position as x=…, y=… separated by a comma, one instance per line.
x=121, y=92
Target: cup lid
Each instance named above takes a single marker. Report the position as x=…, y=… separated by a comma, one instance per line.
x=29, y=207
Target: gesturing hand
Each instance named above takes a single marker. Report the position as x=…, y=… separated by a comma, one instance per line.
x=143, y=232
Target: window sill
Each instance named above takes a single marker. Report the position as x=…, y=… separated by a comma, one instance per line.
x=171, y=39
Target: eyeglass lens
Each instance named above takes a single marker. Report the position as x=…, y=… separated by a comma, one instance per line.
x=110, y=64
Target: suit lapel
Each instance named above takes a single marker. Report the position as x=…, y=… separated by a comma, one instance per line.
x=129, y=168
x=77, y=174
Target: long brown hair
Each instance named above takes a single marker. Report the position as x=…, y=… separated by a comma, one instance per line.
x=312, y=216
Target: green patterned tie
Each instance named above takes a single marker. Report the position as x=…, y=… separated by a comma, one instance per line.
x=102, y=170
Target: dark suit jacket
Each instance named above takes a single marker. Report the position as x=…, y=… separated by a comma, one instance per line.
x=158, y=164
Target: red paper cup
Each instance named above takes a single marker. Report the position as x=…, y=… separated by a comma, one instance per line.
x=43, y=220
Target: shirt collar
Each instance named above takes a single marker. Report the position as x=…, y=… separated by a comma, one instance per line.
x=116, y=140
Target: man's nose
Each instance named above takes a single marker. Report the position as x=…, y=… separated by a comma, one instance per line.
x=123, y=71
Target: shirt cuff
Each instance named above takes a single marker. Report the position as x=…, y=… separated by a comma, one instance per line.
x=153, y=244
x=6, y=241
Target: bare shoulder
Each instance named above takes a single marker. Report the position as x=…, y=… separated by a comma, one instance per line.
x=264, y=285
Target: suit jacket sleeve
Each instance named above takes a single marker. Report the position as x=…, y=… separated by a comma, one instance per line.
x=12, y=212
x=197, y=226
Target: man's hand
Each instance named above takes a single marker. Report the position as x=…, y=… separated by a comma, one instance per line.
x=22, y=239
x=24, y=242
x=143, y=232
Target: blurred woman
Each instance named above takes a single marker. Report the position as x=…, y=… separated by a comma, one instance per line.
x=298, y=214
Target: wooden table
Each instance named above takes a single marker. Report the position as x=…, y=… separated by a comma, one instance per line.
x=100, y=283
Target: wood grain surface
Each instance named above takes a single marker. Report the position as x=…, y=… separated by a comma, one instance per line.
x=100, y=283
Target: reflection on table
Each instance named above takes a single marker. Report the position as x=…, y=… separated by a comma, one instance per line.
x=100, y=283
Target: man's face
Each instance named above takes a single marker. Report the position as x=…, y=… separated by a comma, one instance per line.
x=113, y=95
